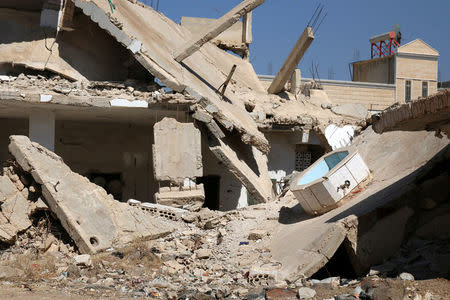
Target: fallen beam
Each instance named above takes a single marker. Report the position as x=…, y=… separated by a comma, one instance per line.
x=222, y=24
x=259, y=187
x=292, y=61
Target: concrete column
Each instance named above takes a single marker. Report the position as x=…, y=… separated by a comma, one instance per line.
x=292, y=61
x=41, y=128
x=296, y=81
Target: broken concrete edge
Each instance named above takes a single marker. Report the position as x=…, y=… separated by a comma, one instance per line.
x=393, y=118
x=99, y=102
x=67, y=75
x=319, y=252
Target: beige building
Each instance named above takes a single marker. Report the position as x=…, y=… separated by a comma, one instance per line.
x=380, y=82
x=412, y=71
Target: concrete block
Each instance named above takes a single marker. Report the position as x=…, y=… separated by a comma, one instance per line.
x=158, y=210
x=16, y=210
x=177, y=198
x=262, y=276
x=7, y=188
x=177, y=151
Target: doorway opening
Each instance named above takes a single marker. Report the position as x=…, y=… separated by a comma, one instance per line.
x=211, y=184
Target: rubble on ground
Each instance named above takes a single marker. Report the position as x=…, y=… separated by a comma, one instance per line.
x=48, y=84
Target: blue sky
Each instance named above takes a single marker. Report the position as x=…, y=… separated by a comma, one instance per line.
x=277, y=24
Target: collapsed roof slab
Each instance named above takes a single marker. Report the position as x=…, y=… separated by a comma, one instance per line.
x=395, y=159
x=153, y=38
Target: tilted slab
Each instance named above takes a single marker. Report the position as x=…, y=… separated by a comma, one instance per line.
x=153, y=38
x=258, y=185
x=92, y=218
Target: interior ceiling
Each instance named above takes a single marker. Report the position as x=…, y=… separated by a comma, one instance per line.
x=34, y=5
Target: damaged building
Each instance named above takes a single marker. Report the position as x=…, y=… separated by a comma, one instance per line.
x=92, y=86
x=125, y=130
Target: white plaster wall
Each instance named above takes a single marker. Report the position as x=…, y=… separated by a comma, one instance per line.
x=42, y=128
x=230, y=187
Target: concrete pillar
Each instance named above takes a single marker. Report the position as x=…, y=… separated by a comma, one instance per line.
x=41, y=128
x=292, y=61
x=296, y=81
x=247, y=37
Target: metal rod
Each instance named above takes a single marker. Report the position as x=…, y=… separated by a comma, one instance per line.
x=225, y=84
x=317, y=17
x=309, y=22
x=318, y=26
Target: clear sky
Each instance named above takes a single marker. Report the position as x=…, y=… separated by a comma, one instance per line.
x=277, y=24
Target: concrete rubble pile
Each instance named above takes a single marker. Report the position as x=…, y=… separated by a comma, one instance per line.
x=206, y=253
x=199, y=135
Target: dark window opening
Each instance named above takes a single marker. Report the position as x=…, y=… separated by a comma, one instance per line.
x=211, y=184
x=408, y=90
x=424, y=88
x=306, y=155
x=111, y=182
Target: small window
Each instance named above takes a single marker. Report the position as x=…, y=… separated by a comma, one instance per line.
x=408, y=90
x=424, y=88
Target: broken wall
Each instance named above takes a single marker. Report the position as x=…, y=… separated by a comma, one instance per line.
x=176, y=151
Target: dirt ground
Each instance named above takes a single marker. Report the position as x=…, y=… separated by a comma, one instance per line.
x=395, y=289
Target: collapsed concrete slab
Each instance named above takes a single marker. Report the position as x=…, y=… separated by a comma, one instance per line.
x=306, y=246
x=92, y=218
x=152, y=39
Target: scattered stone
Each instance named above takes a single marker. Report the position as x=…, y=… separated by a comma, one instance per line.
x=189, y=218
x=73, y=271
x=331, y=282
x=9, y=272
x=406, y=276
x=257, y=235
x=306, y=293
x=83, y=260
x=108, y=282
x=203, y=253
x=280, y=294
